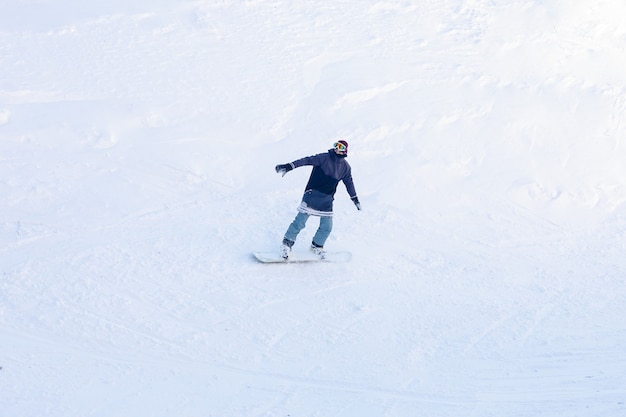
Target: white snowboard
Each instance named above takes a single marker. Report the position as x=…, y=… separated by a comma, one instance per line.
x=301, y=257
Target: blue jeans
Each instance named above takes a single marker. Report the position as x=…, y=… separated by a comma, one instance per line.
x=323, y=231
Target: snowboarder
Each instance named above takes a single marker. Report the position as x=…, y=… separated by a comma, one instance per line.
x=328, y=169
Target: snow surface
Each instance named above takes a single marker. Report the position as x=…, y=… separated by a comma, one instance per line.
x=138, y=141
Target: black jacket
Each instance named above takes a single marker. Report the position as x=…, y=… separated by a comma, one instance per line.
x=328, y=169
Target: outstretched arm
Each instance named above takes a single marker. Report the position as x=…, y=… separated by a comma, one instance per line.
x=307, y=160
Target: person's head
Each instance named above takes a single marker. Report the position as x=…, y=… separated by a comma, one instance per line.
x=341, y=147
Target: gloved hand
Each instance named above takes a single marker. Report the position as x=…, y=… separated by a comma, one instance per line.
x=283, y=168
x=356, y=202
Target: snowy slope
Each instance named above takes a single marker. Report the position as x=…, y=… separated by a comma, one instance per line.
x=137, y=146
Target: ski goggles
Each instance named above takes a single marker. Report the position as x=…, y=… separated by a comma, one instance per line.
x=340, y=147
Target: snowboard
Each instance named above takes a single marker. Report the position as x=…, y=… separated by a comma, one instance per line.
x=301, y=257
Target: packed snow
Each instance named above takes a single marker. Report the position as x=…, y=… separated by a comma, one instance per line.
x=138, y=141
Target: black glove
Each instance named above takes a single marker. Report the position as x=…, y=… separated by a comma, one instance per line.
x=356, y=202
x=284, y=168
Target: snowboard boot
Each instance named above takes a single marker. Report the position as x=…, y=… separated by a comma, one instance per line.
x=285, y=248
x=318, y=250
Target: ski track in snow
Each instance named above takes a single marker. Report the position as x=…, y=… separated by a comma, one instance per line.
x=137, y=145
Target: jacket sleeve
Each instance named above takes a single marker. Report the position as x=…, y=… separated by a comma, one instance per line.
x=347, y=180
x=309, y=160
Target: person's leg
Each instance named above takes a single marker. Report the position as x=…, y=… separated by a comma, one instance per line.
x=295, y=227
x=323, y=231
